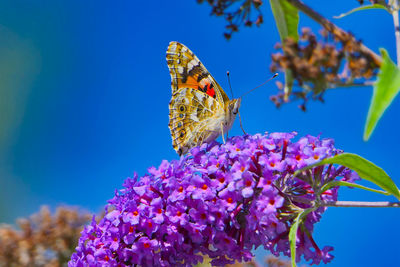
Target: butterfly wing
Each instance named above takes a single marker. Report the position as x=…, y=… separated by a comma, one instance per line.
x=190, y=114
x=187, y=71
x=197, y=99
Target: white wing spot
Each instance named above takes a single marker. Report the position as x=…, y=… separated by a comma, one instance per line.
x=194, y=117
x=192, y=64
x=199, y=96
x=172, y=47
x=180, y=69
x=210, y=102
x=183, y=92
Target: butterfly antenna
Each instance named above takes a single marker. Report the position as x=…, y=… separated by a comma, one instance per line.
x=229, y=82
x=276, y=74
x=230, y=87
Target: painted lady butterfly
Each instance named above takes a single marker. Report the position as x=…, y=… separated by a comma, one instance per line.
x=199, y=110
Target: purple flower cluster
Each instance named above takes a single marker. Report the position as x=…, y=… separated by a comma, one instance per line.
x=220, y=200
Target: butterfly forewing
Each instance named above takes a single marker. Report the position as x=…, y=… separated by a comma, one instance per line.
x=186, y=70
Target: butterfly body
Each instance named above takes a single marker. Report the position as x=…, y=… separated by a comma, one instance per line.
x=199, y=110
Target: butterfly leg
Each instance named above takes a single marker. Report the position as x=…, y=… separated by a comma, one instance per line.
x=222, y=131
x=241, y=126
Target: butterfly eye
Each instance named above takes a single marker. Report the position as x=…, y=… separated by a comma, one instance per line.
x=233, y=109
x=234, y=106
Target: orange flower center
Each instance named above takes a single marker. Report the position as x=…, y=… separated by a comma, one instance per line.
x=272, y=164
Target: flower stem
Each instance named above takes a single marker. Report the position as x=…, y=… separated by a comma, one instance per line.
x=395, y=14
x=361, y=204
x=345, y=85
x=329, y=26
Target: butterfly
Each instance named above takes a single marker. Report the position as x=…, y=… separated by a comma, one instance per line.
x=199, y=110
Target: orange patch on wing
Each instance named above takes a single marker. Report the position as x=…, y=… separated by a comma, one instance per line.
x=191, y=82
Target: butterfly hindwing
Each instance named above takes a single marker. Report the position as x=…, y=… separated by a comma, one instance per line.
x=189, y=112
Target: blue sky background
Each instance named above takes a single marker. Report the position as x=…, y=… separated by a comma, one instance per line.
x=84, y=93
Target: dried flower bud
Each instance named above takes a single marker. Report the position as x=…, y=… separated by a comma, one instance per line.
x=317, y=65
x=237, y=13
x=43, y=239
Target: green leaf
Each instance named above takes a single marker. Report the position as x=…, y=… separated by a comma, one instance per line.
x=375, y=6
x=364, y=168
x=293, y=234
x=386, y=88
x=343, y=183
x=287, y=21
x=286, y=18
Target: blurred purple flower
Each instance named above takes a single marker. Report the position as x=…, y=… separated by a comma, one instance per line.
x=220, y=200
